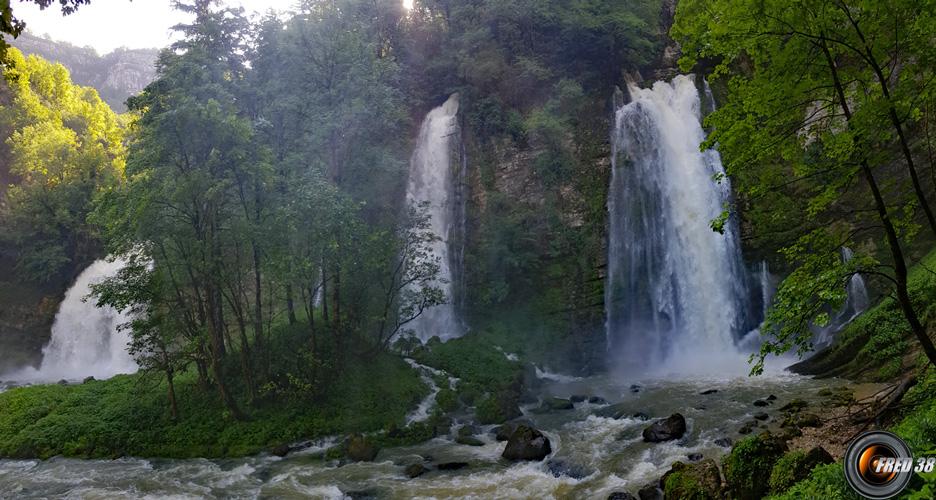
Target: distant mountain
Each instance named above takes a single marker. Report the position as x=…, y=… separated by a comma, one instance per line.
x=116, y=76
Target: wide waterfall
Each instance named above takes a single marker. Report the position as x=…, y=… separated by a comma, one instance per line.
x=435, y=179
x=85, y=339
x=677, y=291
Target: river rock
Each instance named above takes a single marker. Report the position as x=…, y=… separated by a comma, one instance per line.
x=469, y=430
x=469, y=441
x=794, y=406
x=748, y=467
x=641, y=416
x=651, y=491
x=415, y=470
x=698, y=481
x=761, y=416
x=502, y=432
x=635, y=388
x=724, y=442
x=615, y=411
x=281, y=450
x=597, y=400
x=694, y=457
x=361, y=449
x=527, y=443
x=666, y=429
x=558, y=404
x=578, y=398
x=771, y=398
x=761, y=403
x=452, y=465
x=799, y=469
x=560, y=468
x=621, y=495
x=708, y=391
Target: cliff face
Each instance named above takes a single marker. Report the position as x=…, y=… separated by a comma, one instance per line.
x=116, y=76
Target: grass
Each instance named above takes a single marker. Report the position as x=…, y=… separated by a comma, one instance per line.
x=128, y=416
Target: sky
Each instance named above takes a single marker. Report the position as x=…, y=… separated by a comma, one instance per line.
x=109, y=24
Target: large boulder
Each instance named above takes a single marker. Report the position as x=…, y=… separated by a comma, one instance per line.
x=701, y=481
x=361, y=449
x=527, y=443
x=795, y=466
x=504, y=431
x=498, y=408
x=748, y=467
x=666, y=429
x=415, y=470
x=621, y=495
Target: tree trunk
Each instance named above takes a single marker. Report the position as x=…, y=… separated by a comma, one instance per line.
x=290, y=305
x=893, y=242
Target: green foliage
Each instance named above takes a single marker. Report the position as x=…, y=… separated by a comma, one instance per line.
x=472, y=360
x=750, y=463
x=66, y=148
x=826, y=482
x=126, y=416
x=447, y=400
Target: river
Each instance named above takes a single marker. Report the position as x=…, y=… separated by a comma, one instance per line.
x=592, y=456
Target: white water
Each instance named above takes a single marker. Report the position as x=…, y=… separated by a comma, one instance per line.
x=856, y=302
x=427, y=374
x=676, y=290
x=85, y=339
x=435, y=178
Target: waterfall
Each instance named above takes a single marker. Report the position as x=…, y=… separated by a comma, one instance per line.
x=676, y=290
x=856, y=302
x=435, y=178
x=85, y=340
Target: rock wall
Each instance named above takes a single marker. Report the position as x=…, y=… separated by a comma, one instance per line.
x=116, y=76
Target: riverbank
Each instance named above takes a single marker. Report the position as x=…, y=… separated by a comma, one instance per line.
x=127, y=415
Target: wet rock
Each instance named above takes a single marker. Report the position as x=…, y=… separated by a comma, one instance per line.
x=503, y=432
x=527, y=443
x=560, y=468
x=597, y=400
x=621, y=495
x=63, y=382
x=700, y=407
x=808, y=420
x=415, y=470
x=641, y=416
x=760, y=403
x=635, y=388
x=694, y=457
x=469, y=441
x=527, y=398
x=578, y=398
x=708, y=391
x=362, y=495
x=281, y=450
x=698, y=481
x=745, y=429
x=650, y=492
x=361, y=449
x=771, y=398
x=672, y=427
x=469, y=430
x=452, y=465
x=88, y=380
x=761, y=416
x=794, y=406
x=724, y=442
x=558, y=404
x=615, y=411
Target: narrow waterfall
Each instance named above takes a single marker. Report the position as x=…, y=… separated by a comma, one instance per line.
x=436, y=179
x=676, y=290
x=856, y=302
x=85, y=340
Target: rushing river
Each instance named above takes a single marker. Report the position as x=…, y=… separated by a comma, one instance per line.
x=592, y=456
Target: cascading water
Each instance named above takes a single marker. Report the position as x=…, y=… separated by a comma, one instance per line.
x=676, y=290
x=85, y=339
x=856, y=302
x=437, y=180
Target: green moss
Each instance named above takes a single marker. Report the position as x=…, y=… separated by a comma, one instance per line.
x=750, y=463
x=826, y=482
x=128, y=415
x=693, y=482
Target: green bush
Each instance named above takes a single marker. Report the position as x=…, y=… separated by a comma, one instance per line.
x=826, y=482
x=447, y=400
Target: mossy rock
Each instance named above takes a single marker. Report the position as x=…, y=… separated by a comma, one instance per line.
x=750, y=463
x=447, y=400
x=700, y=481
x=360, y=448
x=796, y=466
x=497, y=409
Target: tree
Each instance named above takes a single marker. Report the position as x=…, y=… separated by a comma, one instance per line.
x=803, y=116
x=66, y=147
